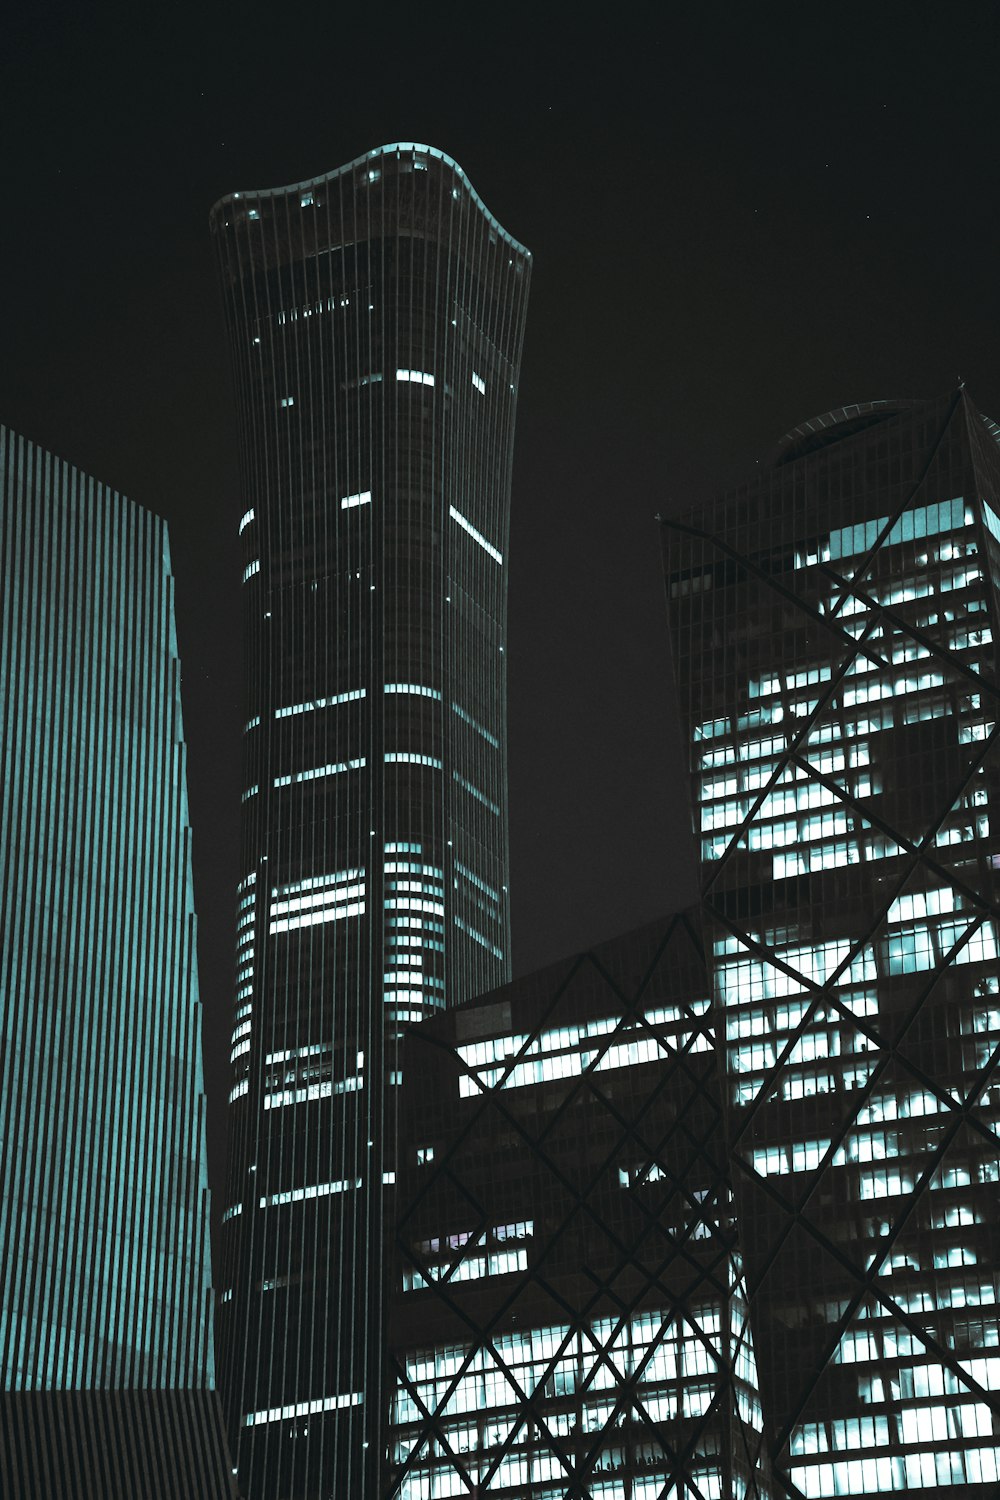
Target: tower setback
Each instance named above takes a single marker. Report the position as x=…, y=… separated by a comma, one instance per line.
x=375, y=320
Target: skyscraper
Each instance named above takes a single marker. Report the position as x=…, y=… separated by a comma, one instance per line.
x=375, y=320
x=834, y=625
x=570, y=1319
x=106, y=1346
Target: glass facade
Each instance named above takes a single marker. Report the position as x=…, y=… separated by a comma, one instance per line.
x=833, y=628
x=375, y=320
x=570, y=1317
x=107, y=1366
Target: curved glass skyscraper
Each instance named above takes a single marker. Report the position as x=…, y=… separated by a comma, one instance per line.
x=375, y=320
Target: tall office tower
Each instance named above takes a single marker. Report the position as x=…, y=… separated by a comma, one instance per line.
x=833, y=628
x=106, y=1348
x=375, y=320
x=570, y=1318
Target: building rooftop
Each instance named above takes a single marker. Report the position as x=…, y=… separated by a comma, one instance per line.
x=833, y=426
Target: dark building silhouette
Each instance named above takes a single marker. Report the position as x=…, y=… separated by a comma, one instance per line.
x=569, y=1316
x=106, y=1346
x=375, y=320
x=834, y=625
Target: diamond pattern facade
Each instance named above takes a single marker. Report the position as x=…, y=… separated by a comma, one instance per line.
x=570, y=1318
x=833, y=628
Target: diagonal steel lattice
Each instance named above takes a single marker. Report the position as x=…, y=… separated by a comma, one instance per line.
x=790, y=1221
x=621, y=1170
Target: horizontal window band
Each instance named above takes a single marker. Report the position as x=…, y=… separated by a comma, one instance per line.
x=314, y=1091
x=415, y=377
x=303, y=1409
x=317, y=882
x=413, y=903
x=477, y=536
x=475, y=880
x=320, y=771
x=315, y=1190
x=307, y=708
x=316, y=918
x=477, y=937
x=490, y=739
x=331, y=895
x=474, y=791
x=415, y=688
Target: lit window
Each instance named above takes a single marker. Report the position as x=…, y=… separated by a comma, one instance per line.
x=313, y=1091
x=291, y=1053
x=412, y=903
x=333, y=912
x=477, y=937
x=305, y=708
x=287, y=401
x=474, y=791
x=306, y=201
x=467, y=874
x=405, y=867
x=321, y=899
x=250, y=569
x=490, y=739
x=320, y=771
x=415, y=377
x=350, y=501
x=245, y=520
x=252, y=214
x=303, y=1409
x=415, y=688
x=316, y=1190
x=479, y=383
x=476, y=536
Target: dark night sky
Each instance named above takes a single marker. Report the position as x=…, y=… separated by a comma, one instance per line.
x=741, y=215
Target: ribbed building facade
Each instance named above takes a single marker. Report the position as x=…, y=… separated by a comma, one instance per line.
x=834, y=628
x=107, y=1376
x=375, y=321
x=570, y=1320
